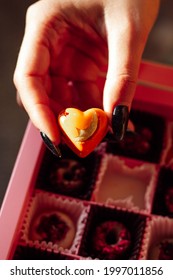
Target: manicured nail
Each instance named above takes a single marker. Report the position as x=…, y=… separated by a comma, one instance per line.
x=120, y=117
x=54, y=149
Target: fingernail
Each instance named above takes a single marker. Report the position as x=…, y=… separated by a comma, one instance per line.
x=120, y=117
x=54, y=149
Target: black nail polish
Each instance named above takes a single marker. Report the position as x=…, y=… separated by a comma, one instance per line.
x=54, y=149
x=120, y=117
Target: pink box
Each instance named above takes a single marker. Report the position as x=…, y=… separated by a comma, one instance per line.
x=154, y=93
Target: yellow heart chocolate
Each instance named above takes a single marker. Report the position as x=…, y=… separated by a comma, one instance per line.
x=83, y=131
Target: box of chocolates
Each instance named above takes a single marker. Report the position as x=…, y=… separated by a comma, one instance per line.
x=116, y=203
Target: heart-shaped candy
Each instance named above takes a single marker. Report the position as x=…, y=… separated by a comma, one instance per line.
x=83, y=131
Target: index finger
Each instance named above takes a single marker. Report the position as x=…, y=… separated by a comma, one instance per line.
x=31, y=78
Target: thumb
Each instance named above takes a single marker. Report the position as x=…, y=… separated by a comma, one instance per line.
x=123, y=64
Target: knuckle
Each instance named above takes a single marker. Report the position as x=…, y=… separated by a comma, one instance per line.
x=33, y=11
x=16, y=78
x=127, y=78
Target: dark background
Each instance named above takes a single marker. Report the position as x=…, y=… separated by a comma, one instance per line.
x=13, y=120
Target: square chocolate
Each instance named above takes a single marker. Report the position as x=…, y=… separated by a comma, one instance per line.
x=146, y=143
x=69, y=175
x=163, y=197
x=53, y=222
x=113, y=234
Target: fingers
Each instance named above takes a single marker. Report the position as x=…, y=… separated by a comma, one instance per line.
x=123, y=65
x=126, y=35
x=31, y=78
x=18, y=99
x=38, y=106
x=126, y=41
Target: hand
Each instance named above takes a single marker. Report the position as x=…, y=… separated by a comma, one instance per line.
x=65, y=47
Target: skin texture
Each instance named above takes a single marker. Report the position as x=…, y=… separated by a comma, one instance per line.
x=66, y=45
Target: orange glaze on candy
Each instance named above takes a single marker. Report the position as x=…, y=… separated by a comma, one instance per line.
x=83, y=131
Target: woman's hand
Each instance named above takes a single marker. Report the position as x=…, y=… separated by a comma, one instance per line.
x=66, y=46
